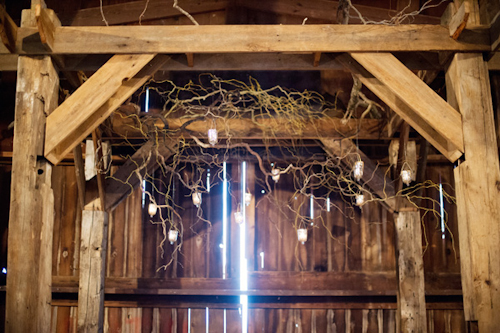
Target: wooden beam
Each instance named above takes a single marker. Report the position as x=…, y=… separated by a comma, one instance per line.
x=415, y=93
x=411, y=288
x=131, y=11
x=269, y=283
x=255, y=129
x=95, y=100
x=8, y=62
x=325, y=10
x=190, y=59
x=477, y=191
x=92, y=271
x=389, y=97
x=144, y=162
x=30, y=223
x=317, y=58
x=8, y=32
x=373, y=176
x=253, y=38
x=459, y=20
x=47, y=22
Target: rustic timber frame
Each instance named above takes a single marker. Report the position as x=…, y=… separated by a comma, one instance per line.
x=365, y=51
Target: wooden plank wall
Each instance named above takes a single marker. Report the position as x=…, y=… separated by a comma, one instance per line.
x=362, y=239
x=362, y=242
x=173, y=320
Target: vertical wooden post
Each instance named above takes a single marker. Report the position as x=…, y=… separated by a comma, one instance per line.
x=411, y=288
x=92, y=270
x=31, y=221
x=477, y=189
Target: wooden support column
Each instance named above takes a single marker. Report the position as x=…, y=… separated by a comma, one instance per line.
x=477, y=190
x=31, y=221
x=411, y=290
x=92, y=270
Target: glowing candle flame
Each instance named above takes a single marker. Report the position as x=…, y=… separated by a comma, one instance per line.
x=358, y=170
x=302, y=235
x=406, y=176
x=196, y=199
x=238, y=217
x=360, y=199
x=152, y=208
x=275, y=174
x=248, y=198
x=212, y=136
x=172, y=236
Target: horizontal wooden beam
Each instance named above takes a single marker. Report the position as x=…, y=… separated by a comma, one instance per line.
x=253, y=39
x=129, y=12
x=272, y=284
x=340, y=303
x=388, y=96
x=259, y=128
x=8, y=62
x=95, y=100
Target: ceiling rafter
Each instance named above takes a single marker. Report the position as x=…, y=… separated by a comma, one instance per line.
x=95, y=100
x=428, y=128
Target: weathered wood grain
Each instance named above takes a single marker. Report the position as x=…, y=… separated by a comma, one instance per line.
x=86, y=108
x=411, y=289
x=92, y=271
x=419, y=123
x=27, y=284
x=247, y=38
x=468, y=89
x=416, y=94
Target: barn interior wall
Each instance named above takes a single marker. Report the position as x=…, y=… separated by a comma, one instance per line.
x=362, y=242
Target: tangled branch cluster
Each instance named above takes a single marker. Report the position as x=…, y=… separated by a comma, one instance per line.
x=214, y=103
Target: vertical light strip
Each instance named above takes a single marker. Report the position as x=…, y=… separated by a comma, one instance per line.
x=146, y=108
x=143, y=193
x=225, y=322
x=328, y=204
x=224, y=220
x=441, y=210
x=189, y=320
x=208, y=180
x=311, y=207
x=146, y=103
x=243, y=259
x=206, y=319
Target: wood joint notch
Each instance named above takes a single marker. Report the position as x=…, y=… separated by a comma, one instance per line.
x=8, y=31
x=47, y=22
